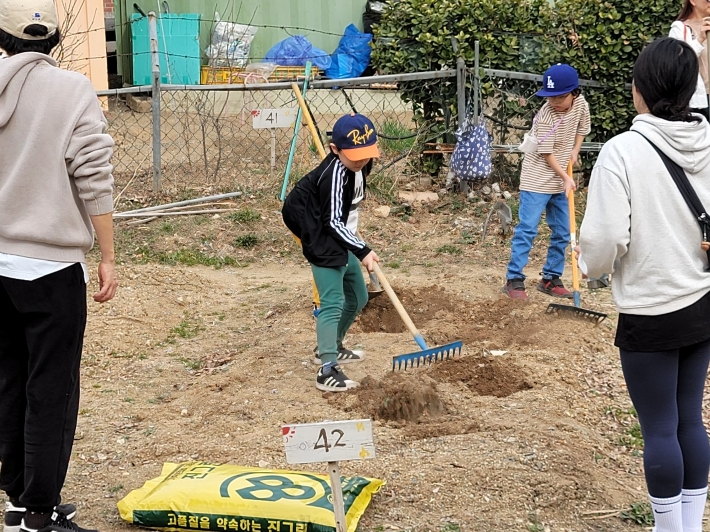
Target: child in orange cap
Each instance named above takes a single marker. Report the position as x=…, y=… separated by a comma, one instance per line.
x=318, y=212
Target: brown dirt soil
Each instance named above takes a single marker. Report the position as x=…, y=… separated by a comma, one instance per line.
x=482, y=375
x=398, y=397
x=204, y=363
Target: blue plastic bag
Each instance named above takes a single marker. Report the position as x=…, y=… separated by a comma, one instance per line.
x=471, y=159
x=295, y=51
x=352, y=55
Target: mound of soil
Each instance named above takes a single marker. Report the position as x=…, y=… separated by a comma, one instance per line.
x=422, y=305
x=398, y=397
x=482, y=375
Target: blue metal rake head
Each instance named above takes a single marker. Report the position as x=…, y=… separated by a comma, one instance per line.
x=427, y=356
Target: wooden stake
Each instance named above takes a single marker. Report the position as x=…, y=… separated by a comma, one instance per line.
x=338, y=504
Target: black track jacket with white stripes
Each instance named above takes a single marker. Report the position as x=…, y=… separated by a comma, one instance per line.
x=317, y=210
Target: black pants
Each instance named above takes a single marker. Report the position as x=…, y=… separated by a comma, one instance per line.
x=42, y=326
x=666, y=389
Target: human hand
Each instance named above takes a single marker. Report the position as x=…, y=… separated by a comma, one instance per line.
x=108, y=282
x=370, y=260
x=574, y=157
x=577, y=252
x=569, y=184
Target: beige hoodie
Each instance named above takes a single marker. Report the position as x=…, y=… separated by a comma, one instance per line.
x=54, y=160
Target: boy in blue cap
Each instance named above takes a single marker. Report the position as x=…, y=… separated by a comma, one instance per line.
x=560, y=128
x=318, y=212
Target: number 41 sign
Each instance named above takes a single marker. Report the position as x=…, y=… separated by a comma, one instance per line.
x=330, y=442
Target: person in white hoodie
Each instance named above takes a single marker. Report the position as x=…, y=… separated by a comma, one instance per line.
x=56, y=190
x=692, y=26
x=638, y=226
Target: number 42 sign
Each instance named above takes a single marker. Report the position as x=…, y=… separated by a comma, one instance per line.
x=330, y=442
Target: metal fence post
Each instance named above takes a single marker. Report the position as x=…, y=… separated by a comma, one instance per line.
x=476, y=84
x=460, y=83
x=155, y=98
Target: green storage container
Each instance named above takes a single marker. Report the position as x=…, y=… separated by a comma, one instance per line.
x=178, y=45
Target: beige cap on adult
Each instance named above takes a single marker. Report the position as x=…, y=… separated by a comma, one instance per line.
x=16, y=15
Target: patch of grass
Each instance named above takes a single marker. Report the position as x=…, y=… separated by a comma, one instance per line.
x=186, y=257
x=244, y=216
x=449, y=249
x=129, y=400
x=187, y=328
x=639, y=513
x=167, y=227
x=395, y=145
x=382, y=186
x=394, y=265
x=451, y=527
x=115, y=489
x=468, y=237
x=633, y=439
x=192, y=364
x=246, y=241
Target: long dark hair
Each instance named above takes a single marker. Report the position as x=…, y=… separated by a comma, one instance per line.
x=686, y=10
x=666, y=74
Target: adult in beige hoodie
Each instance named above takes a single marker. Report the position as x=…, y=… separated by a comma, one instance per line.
x=56, y=189
x=638, y=227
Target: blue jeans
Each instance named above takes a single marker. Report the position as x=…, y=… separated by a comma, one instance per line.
x=532, y=204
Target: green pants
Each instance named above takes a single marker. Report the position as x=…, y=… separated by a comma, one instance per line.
x=343, y=295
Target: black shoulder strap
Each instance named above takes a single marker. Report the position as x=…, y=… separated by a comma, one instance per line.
x=687, y=191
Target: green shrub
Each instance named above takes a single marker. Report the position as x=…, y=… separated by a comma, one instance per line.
x=600, y=38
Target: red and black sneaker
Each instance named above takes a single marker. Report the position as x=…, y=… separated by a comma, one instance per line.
x=554, y=287
x=515, y=289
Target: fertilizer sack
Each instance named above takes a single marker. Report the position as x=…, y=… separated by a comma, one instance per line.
x=228, y=498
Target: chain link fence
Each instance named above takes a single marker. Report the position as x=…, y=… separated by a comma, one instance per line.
x=207, y=137
x=208, y=141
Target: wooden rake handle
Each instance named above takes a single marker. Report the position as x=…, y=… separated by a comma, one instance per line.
x=400, y=309
x=309, y=122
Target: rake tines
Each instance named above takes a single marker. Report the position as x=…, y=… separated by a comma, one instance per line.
x=427, y=356
x=576, y=312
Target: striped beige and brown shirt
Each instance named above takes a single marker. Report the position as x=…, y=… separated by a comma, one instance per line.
x=536, y=175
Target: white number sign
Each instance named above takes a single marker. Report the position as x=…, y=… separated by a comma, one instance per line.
x=271, y=118
x=330, y=441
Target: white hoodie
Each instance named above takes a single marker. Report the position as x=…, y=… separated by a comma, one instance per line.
x=637, y=224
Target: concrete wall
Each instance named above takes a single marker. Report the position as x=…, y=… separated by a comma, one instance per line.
x=328, y=17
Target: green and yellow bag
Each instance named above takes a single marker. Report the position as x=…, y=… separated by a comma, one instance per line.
x=227, y=498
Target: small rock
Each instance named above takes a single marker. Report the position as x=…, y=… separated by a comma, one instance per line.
x=183, y=412
x=263, y=464
x=442, y=192
x=383, y=211
x=486, y=190
x=419, y=196
x=507, y=195
x=412, y=220
x=496, y=188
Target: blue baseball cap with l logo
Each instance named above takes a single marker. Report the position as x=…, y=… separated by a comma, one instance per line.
x=355, y=136
x=557, y=80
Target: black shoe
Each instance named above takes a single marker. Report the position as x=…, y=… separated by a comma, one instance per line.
x=345, y=356
x=57, y=523
x=14, y=515
x=331, y=378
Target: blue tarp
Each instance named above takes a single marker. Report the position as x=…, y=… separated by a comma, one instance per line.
x=352, y=55
x=295, y=51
